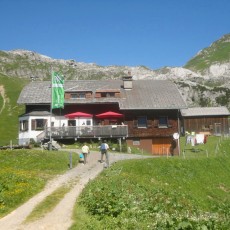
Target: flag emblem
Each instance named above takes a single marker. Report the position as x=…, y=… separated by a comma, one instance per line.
x=57, y=90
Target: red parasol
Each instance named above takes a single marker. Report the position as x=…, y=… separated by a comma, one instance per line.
x=109, y=114
x=78, y=114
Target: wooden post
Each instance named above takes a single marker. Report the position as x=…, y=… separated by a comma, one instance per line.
x=70, y=160
x=119, y=143
x=184, y=154
x=178, y=143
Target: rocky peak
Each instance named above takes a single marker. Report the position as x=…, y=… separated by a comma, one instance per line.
x=204, y=80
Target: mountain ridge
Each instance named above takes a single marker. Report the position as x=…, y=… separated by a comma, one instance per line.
x=203, y=81
x=213, y=61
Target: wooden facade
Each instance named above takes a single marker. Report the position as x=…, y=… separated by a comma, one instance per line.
x=210, y=121
x=153, y=138
x=208, y=125
x=150, y=110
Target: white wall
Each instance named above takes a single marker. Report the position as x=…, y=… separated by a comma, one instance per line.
x=25, y=136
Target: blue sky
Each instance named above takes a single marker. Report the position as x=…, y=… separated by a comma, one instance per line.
x=153, y=33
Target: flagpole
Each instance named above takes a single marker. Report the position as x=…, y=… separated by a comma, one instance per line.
x=50, y=145
x=57, y=97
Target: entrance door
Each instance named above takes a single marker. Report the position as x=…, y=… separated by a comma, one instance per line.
x=72, y=128
x=161, y=146
x=217, y=130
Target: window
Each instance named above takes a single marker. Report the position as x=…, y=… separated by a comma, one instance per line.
x=38, y=124
x=108, y=94
x=163, y=122
x=142, y=122
x=136, y=141
x=24, y=125
x=71, y=123
x=79, y=95
x=88, y=122
x=205, y=127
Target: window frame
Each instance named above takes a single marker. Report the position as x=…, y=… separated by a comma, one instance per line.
x=108, y=94
x=136, y=142
x=24, y=125
x=163, y=124
x=142, y=124
x=88, y=122
x=38, y=124
x=78, y=95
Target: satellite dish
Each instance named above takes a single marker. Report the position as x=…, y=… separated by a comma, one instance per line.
x=176, y=136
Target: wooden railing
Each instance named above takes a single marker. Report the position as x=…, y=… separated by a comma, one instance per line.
x=87, y=131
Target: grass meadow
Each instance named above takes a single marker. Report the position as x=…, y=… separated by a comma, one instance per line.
x=24, y=173
x=190, y=191
x=9, y=109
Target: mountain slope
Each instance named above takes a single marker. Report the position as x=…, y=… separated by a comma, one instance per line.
x=10, y=89
x=203, y=82
x=28, y=64
x=214, y=60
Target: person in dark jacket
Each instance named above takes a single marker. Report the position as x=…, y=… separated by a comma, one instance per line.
x=104, y=151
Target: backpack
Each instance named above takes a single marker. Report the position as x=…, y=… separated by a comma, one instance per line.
x=103, y=146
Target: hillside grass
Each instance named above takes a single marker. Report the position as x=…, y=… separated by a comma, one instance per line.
x=24, y=173
x=218, y=52
x=190, y=191
x=11, y=110
x=211, y=148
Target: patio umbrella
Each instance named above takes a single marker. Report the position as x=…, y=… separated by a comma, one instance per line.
x=109, y=114
x=78, y=114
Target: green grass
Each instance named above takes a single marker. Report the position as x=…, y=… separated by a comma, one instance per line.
x=23, y=173
x=208, y=149
x=191, y=192
x=219, y=52
x=9, y=115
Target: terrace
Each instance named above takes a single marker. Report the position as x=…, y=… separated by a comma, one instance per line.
x=100, y=131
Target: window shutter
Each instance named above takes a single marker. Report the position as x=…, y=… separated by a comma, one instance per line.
x=149, y=122
x=134, y=123
x=33, y=124
x=156, y=123
x=26, y=126
x=45, y=123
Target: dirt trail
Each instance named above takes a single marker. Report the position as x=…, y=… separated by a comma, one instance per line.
x=2, y=94
x=60, y=216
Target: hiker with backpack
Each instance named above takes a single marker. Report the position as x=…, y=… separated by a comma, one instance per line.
x=104, y=151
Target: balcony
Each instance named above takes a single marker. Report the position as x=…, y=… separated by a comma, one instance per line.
x=105, y=131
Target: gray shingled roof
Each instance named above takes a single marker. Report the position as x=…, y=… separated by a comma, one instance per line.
x=153, y=94
x=146, y=94
x=36, y=113
x=205, y=111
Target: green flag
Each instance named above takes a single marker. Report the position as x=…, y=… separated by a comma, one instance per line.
x=57, y=90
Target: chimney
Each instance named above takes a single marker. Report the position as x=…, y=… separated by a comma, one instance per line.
x=128, y=82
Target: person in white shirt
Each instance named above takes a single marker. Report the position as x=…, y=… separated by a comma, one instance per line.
x=85, y=151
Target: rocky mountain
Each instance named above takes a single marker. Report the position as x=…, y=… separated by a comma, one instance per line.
x=203, y=81
x=213, y=61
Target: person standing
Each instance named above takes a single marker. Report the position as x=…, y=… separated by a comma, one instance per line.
x=85, y=151
x=104, y=151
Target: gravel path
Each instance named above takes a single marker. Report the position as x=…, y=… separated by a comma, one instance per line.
x=60, y=217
